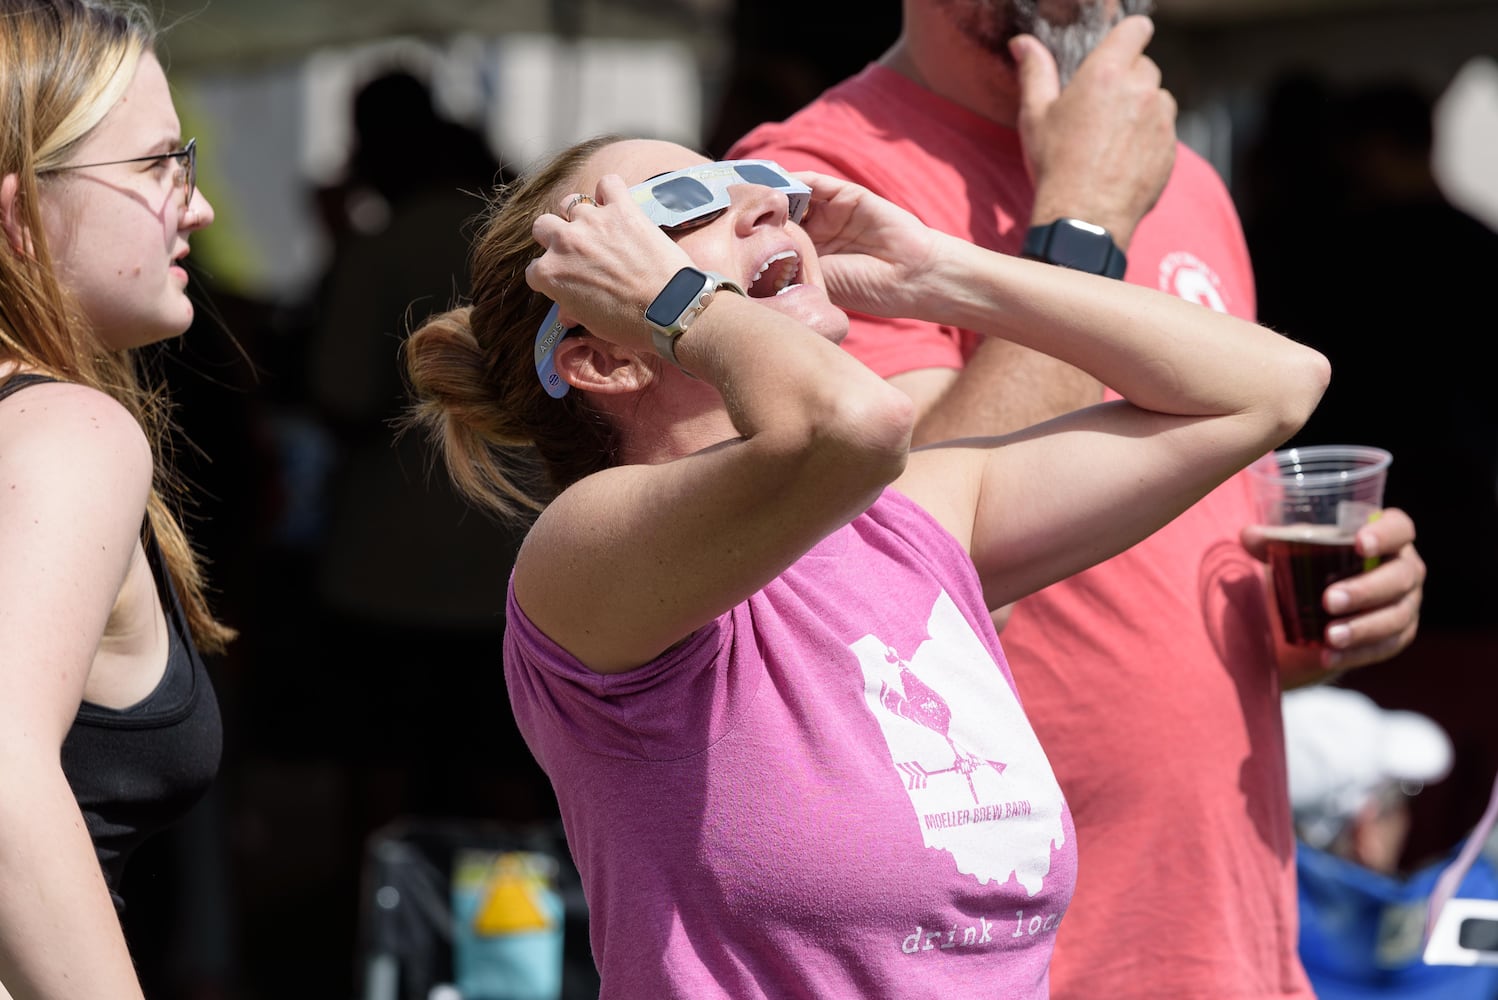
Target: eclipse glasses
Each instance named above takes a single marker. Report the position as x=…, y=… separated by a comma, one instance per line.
x=696, y=195
x=692, y=196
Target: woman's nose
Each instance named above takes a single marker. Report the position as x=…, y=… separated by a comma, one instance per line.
x=199, y=211
x=757, y=205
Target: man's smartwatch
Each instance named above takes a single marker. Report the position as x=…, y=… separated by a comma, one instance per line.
x=1078, y=245
x=679, y=303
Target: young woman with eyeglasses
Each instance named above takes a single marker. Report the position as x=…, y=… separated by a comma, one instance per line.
x=748, y=632
x=109, y=728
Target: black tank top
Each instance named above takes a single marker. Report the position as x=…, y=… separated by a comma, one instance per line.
x=136, y=770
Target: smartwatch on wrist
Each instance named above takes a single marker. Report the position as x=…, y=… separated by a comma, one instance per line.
x=1079, y=245
x=679, y=304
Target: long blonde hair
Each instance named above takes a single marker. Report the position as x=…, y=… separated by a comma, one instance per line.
x=509, y=447
x=66, y=63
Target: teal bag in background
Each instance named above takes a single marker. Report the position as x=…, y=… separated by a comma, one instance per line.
x=507, y=926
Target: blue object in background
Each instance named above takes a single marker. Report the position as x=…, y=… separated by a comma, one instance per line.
x=477, y=910
x=507, y=926
x=1362, y=932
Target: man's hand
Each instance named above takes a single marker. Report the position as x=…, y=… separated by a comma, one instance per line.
x=1377, y=612
x=1101, y=149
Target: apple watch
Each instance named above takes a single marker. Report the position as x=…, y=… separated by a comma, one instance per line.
x=1078, y=245
x=679, y=304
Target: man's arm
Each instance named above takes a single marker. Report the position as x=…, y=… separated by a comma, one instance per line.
x=1101, y=150
x=1002, y=388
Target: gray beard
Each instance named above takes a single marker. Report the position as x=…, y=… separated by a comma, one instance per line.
x=992, y=23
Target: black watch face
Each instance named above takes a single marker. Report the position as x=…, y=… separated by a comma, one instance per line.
x=679, y=293
x=1078, y=248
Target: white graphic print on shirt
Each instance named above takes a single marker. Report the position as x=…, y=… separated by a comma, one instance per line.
x=965, y=751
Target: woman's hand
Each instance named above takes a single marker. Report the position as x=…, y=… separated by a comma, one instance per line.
x=873, y=253
x=604, y=262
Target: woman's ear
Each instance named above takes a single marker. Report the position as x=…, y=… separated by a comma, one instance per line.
x=595, y=365
x=17, y=234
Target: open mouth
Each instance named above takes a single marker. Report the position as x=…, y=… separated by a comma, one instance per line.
x=775, y=275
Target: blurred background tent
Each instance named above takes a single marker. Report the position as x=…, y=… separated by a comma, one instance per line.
x=269, y=80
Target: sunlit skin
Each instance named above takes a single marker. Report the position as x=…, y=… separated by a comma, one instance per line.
x=778, y=410
x=119, y=233
x=754, y=228
x=686, y=414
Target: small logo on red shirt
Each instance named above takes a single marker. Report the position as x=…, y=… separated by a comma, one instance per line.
x=1185, y=275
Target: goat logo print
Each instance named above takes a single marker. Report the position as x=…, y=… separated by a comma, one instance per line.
x=979, y=784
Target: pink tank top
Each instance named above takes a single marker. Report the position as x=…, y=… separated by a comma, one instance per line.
x=831, y=791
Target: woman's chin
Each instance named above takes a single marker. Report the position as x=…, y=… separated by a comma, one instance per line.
x=839, y=329
x=810, y=305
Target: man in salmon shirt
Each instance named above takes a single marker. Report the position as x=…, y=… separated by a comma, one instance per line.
x=1153, y=679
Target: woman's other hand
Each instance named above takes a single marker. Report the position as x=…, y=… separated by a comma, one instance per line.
x=873, y=253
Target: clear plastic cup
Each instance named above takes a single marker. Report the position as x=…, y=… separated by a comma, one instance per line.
x=1311, y=502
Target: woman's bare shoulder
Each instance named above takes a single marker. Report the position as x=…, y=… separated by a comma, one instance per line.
x=68, y=437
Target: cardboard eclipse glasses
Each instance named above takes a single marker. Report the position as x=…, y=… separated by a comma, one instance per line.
x=690, y=196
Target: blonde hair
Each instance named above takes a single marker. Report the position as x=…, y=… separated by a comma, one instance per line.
x=67, y=63
x=508, y=446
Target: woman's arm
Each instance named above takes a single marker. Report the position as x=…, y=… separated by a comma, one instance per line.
x=630, y=561
x=74, y=475
x=1205, y=394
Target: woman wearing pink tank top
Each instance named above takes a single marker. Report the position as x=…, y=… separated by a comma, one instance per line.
x=649, y=368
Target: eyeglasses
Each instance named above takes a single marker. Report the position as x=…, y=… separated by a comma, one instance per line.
x=692, y=196
x=697, y=195
x=187, y=167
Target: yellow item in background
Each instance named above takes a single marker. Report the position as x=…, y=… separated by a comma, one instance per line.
x=512, y=900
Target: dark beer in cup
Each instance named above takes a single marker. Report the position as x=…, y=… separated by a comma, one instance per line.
x=1305, y=559
x=1311, y=502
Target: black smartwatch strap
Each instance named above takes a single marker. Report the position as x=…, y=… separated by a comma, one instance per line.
x=1076, y=244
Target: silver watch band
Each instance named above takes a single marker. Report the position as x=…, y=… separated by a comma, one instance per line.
x=664, y=335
